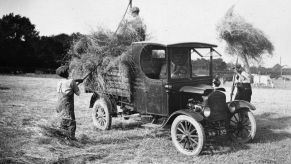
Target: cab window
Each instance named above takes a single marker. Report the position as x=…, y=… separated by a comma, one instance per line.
x=152, y=60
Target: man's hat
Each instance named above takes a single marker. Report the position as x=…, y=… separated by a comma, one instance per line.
x=237, y=67
x=63, y=71
x=135, y=9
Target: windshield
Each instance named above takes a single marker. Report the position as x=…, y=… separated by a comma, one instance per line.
x=200, y=60
x=189, y=62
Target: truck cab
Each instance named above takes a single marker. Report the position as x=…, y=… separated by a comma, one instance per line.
x=166, y=70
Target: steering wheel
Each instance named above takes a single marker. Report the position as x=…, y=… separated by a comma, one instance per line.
x=180, y=72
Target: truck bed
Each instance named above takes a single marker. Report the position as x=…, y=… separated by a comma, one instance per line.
x=117, y=83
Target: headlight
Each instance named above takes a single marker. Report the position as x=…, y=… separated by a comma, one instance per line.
x=167, y=86
x=206, y=111
x=231, y=107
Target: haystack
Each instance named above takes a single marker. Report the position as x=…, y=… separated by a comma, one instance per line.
x=242, y=39
x=107, y=56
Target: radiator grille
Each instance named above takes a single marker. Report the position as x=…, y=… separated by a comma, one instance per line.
x=217, y=103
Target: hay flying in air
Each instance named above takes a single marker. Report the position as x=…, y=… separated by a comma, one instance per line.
x=242, y=38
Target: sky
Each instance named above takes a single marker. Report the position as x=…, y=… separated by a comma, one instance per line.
x=166, y=20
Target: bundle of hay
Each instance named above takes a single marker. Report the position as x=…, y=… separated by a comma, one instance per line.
x=100, y=53
x=242, y=39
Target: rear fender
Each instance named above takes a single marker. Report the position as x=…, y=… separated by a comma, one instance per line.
x=94, y=98
x=197, y=116
x=240, y=105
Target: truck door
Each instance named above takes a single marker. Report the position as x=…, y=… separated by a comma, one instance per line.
x=156, y=97
x=152, y=61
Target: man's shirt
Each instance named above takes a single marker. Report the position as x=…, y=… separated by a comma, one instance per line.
x=246, y=78
x=68, y=87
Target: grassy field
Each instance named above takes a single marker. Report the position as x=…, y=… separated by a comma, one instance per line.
x=26, y=102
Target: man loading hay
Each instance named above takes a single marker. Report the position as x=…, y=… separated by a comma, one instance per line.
x=245, y=42
x=105, y=52
x=135, y=22
x=242, y=83
x=66, y=89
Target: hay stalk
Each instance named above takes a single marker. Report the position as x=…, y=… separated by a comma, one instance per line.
x=101, y=53
x=242, y=39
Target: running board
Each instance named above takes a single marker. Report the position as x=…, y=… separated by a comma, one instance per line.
x=126, y=117
x=151, y=125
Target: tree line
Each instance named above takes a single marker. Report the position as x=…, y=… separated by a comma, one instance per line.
x=22, y=50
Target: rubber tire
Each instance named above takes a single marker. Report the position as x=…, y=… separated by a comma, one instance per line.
x=253, y=128
x=200, y=131
x=105, y=104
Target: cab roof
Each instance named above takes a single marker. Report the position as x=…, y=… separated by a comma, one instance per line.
x=180, y=44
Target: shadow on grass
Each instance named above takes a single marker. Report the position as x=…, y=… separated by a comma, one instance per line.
x=4, y=88
x=270, y=128
x=82, y=158
x=222, y=145
x=9, y=138
x=217, y=145
x=123, y=125
x=153, y=133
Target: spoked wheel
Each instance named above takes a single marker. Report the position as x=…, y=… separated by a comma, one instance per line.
x=187, y=135
x=101, y=114
x=242, y=126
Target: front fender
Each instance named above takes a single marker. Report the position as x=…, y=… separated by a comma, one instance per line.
x=197, y=116
x=240, y=104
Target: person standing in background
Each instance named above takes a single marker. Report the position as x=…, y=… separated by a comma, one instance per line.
x=243, y=84
x=66, y=89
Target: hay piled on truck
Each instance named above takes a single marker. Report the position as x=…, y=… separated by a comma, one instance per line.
x=108, y=56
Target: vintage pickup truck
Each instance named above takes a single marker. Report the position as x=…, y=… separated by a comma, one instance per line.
x=174, y=83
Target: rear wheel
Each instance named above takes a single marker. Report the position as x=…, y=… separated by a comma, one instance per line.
x=101, y=114
x=187, y=135
x=242, y=126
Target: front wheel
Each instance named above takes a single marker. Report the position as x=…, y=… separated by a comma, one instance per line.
x=101, y=114
x=187, y=135
x=242, y=126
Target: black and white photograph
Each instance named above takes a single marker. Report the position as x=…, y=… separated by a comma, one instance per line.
x=145, y=81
